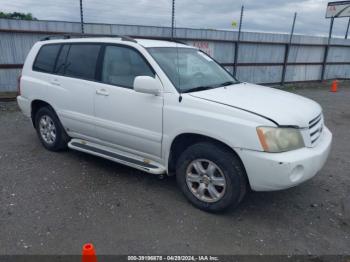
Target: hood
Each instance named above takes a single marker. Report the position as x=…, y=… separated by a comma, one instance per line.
x=282, y=107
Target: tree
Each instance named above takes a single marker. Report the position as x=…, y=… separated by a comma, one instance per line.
x=17, y=15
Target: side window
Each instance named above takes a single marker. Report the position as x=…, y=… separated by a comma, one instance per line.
x=81, y=61
x=122, y=64
x=46, y=58
x=61, y=60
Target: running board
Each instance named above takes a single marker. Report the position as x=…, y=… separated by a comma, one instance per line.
x=117, y=156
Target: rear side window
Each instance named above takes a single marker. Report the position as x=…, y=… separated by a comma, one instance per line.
x=46, y=58
x=121, y=65
x=81, y=61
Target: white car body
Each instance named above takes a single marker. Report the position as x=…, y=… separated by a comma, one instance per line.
x=149, y=124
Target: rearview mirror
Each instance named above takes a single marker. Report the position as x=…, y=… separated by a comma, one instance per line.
x=147, y=85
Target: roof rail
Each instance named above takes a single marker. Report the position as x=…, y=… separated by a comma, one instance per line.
x=178, y=41
x=70, y=36
x=174, y=40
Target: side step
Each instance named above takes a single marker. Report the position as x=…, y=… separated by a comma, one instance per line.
x=117, y=156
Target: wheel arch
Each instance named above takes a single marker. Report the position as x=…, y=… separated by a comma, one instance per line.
x=182, y=141
x=36, y=104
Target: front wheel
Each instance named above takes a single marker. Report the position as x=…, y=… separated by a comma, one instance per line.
x=211, y=177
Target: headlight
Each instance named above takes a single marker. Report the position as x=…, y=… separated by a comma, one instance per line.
x=274, y=139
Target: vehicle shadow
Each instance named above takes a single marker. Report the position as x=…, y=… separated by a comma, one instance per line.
x=255, y=203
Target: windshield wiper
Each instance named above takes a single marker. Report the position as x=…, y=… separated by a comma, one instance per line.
x=203, y=88
x=198, y=88
x=229, y=83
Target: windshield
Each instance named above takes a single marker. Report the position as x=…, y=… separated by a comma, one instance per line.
x=190, y=70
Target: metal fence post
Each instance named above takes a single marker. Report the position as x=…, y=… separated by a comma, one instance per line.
x=286, y=53
x=237, y=43
x=327, y=49
x=81, y=17
x=172, y=20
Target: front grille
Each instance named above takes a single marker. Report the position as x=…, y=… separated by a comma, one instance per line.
x=315, y=128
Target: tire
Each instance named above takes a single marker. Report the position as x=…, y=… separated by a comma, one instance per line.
x=228, y=177
x=52, y=136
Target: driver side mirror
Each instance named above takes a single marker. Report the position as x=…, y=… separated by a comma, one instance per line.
x=147, y=85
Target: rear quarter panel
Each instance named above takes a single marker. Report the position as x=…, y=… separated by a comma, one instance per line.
x=33, y=84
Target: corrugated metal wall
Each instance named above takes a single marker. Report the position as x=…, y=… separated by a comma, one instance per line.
x=260, y=60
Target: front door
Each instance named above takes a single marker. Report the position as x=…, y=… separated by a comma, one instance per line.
x=129, y=120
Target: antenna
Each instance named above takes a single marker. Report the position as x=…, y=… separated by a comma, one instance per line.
x=178, y=70
x=237, y=43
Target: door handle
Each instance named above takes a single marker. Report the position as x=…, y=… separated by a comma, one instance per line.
x=102, y=92
x=55, y=82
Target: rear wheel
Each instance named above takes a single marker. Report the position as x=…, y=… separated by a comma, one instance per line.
x=50, y=131
x=211, y=177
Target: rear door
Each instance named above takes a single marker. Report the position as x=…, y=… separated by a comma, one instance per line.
x=127, y=119
x=73, y=87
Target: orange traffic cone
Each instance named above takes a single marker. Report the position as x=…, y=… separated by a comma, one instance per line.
x=334, y=86
x=88, y=253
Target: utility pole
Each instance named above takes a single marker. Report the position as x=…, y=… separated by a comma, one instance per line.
x=173, y=20
x=347, y=30
x=286, y=55
x=324, y=64
x=81, y=17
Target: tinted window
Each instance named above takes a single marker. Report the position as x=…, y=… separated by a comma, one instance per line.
x=61, y=60
x=81, y=61
x=45, y=61
x=121, y=65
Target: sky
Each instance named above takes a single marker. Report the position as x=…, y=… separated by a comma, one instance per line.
x=259, y=15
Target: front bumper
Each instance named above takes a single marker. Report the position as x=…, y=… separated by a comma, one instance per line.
x=275, y=171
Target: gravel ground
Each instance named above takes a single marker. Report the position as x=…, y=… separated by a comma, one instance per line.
x=52, y=203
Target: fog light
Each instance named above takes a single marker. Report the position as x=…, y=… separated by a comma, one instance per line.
x=296, y=174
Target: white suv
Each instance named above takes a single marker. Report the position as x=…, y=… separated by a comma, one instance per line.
x=168, y=108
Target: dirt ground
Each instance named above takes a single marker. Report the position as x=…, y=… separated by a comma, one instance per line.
x=52, y=203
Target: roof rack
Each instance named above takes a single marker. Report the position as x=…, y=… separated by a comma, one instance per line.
x=173, y=40
x=70, y=36
x=177, y=41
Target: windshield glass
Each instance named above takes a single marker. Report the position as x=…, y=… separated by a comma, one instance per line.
x=190, y=70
